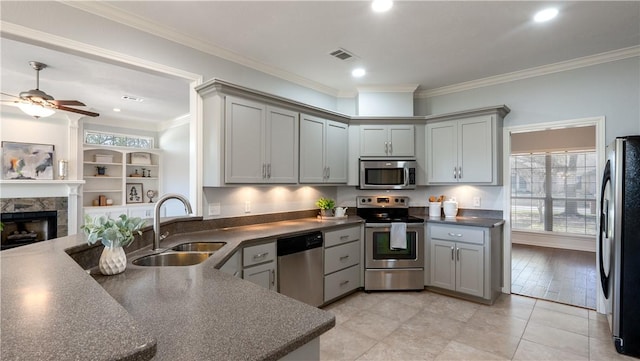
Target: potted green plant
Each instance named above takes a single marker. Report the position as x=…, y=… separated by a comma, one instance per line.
x=326, y=206
x=114, y=235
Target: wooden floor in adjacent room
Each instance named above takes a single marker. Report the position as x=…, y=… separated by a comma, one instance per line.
x=554, y=274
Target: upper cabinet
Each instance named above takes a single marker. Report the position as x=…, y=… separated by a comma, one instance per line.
x=387, y=141
x=465, y=150
x=261, y=143
x=323, y=150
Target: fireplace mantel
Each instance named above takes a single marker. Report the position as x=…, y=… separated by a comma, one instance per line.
x=39, y=188
x=47, y=188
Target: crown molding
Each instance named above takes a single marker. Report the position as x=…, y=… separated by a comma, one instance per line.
x=399, y=88
x=578, y=63
x=112, y=13
x=174, y=123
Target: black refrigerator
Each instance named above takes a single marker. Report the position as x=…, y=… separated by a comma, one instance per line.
x=619, y=242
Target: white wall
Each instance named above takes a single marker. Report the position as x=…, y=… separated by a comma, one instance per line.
x=610, y=89
x=174, y=143
x=263, y=199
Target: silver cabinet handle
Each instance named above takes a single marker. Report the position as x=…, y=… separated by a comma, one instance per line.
x=328, y=172
x=452, y=255
x=344, y=282
x=264, y=170
x=459, y=172
x=455, y=234
x=390, y=148
x=344, y=257
x=260, y=255
x=269, y=170
x=273, y=278
x=458, y=254
x=386, y=147
x=455, y=174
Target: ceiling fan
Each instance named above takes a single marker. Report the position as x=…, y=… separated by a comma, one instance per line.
x=37, y=103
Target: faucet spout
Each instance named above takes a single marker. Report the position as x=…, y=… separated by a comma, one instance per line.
x=156, y=215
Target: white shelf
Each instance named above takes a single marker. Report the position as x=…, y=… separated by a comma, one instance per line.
x=102, y=177
x=142, y=178
x=101, y=163
x=142, y=165
x=103, y=190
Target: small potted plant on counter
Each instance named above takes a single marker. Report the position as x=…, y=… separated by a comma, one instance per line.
x=326, y=206
x=114, y=234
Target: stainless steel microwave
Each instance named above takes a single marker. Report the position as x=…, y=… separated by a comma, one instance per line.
x=387, y=174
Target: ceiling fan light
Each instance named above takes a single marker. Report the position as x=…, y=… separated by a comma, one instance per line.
x=36, y=110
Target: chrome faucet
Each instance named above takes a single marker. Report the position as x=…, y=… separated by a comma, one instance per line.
x=156, y=215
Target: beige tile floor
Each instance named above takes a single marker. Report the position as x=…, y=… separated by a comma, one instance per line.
x=428, y=326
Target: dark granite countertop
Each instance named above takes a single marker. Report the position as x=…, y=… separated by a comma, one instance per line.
x=52, y=309
x=467, y=221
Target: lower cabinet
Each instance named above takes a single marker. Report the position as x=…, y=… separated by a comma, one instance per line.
x=464, y=259
x=233, y=265
x=259, y=265
x=342, y=263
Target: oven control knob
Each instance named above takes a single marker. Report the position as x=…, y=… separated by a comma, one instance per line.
x=362, y=200
x=368, y=199
x=402, y=201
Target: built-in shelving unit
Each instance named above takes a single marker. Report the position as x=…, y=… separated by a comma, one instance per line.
x=121, y=176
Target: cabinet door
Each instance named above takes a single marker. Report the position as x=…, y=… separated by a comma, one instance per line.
x=475, y=153
x=470, y=269
x=443, y=267
x=282, y=146
x=263, y=275
x=233, y=265
x=244, y=133
x=312, y=141
x=337, y=152
x=401, y=141
x=373, y=140
x=442, y=152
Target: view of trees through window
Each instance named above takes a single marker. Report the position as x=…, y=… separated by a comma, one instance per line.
x=117, y=140
x=554, y=192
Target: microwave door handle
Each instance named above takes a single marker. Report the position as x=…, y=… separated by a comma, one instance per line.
x=406, y=176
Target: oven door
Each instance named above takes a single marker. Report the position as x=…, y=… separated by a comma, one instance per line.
x=379, y=254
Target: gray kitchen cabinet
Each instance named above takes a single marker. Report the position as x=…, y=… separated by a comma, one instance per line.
x=342, y=261
x=323, y=150
x=259, y=265
x=387, y=140
x=463, y=151
x=261, y=143
x=465, y=260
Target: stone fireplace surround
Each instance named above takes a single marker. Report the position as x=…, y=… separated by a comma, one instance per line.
x=38, y=204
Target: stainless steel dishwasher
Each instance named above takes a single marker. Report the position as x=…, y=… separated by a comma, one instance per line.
x=300, y=268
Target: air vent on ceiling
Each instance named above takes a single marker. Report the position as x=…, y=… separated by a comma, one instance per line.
x=342, y=54
x=132, y=98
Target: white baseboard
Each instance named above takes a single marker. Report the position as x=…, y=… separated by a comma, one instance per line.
x=576, y=243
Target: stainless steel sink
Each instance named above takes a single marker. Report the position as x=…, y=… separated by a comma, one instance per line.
x=172, y=259
x=199, y=246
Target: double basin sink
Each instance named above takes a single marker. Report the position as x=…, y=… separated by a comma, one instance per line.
x=184, y=254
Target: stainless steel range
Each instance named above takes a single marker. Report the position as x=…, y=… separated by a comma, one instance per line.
x=394, y=244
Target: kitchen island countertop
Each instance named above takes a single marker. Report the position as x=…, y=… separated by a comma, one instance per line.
x=53, y=309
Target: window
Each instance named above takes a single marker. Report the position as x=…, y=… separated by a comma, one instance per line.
x=117, y=140
x=554, y=191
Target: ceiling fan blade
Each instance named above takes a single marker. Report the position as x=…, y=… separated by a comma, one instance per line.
x=10, y=95
x=73, y=110
x=67, y=102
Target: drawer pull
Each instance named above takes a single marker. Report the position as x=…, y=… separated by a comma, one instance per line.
x=260, y=255
x=344, y=257
x=455, y=234
x=344, y=282
x=346, y=236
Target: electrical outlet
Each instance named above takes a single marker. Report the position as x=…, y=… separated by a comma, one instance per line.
x=476, y=201
x=247, y=206
x=214, y=209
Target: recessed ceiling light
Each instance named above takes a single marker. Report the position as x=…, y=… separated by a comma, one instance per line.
x=116, y=109
x=358, y=72
x=381, y=6
x=545, y=15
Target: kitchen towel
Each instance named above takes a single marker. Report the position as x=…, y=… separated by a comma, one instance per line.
x=398, y=235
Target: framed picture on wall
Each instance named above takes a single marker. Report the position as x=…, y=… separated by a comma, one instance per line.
x=141, y=158
x=27, y=161
x=134, y=193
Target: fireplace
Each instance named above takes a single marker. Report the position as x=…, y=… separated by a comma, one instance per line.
x=28, y=227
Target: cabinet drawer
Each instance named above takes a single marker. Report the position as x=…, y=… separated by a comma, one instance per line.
x=340, y=236
x=339, y=283
x=342, y=256
x=458, y=233
x=258, y=254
